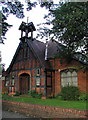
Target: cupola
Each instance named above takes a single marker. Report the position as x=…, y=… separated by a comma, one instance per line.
x=26, y=28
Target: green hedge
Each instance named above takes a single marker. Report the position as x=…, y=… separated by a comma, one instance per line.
x=70, y=93
x=83, y=97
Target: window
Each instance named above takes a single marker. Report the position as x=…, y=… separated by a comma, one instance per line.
x=37, y=81
x=69, y=77
x=7, y=82
x=13, y=82
x=37, y=72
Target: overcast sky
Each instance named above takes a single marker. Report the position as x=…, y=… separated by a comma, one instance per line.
x=8, y=49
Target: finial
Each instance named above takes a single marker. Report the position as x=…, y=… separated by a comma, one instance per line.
x=27, y=19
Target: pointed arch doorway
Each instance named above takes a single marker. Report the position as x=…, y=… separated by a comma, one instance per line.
x=24, y=83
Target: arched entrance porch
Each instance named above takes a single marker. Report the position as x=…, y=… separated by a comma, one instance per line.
x=24, y=83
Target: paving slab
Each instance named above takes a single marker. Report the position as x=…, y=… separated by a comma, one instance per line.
x=6, y=115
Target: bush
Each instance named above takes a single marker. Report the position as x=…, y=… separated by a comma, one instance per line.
x=17, y=93
x=83, y=97
x=34, y=94
x=31, y=92
x=58, y=96
x=70, y=93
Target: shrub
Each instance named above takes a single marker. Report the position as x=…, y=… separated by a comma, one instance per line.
x=70, y=93
x=38, y=95
x=31, y=92
x=83, y=97
x=58, y=96
x=17, y=93
x=34, y=94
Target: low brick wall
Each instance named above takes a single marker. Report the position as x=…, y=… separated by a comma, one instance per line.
x=42, y=111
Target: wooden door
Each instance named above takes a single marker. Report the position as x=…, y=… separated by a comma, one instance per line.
x=24, y=84
x=48, y=83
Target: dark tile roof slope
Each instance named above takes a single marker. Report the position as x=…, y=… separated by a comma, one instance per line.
x=38, y=48
x=53, y=48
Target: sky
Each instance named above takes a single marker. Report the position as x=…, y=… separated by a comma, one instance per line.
x=11, y=43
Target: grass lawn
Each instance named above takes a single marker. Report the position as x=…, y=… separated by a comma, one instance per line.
x=82, y=105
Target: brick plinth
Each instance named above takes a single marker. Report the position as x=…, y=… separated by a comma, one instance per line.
x=43, y=111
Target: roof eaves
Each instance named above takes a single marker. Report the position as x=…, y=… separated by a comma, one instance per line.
x=12, y=62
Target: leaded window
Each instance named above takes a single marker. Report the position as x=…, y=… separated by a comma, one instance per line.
x=69, y=77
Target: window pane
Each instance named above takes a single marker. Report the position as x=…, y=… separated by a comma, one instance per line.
x=37, y=81
x=74, y=73
x=12, y=81
x=7, y=83
x=63, y=75
x=63, y=79
x=74, y=81
x=62, y=82
x=69, y=74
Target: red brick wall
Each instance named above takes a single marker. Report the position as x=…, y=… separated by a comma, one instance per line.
x=43, y=111
x=83, y=80
x=82, y=76
x=56, y=82
x=4, y=89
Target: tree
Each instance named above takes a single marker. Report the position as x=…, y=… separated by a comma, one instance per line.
x=4, y=26
x=70, y=27
x=15, y=8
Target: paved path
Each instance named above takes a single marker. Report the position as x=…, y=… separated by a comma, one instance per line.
x=8, y=114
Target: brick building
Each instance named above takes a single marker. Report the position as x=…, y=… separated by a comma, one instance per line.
x=36, y=67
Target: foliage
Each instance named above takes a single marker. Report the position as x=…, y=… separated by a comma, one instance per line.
x=83, y=97
x=5, y=96
x=59, y=97
x=70, y=93
x=4, y=26
x=15, y=8
x=34, y=94
x=17, y=93
x=69, y=26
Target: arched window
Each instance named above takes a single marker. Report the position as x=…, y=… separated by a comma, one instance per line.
x=69, y=77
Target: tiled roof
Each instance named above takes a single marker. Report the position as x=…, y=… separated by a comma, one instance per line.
x=38, y=48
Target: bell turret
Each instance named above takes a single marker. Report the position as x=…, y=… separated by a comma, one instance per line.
x=27, y=28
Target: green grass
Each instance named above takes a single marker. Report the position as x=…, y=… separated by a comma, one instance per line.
x=50, y=102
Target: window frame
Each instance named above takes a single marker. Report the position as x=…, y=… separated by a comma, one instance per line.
x=71, y=77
